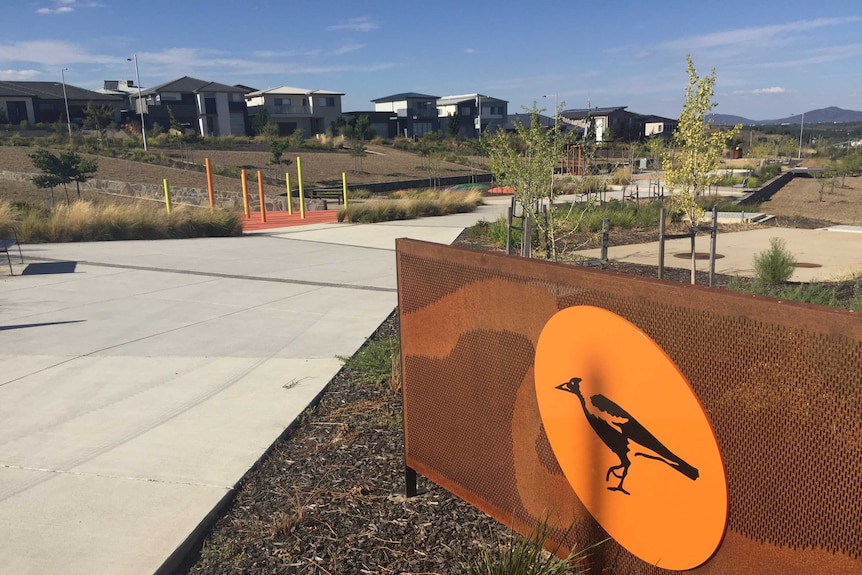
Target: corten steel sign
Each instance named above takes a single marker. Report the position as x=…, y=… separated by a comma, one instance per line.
x=699, y=429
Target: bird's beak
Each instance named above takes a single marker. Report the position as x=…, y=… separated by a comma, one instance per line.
x=569, y=385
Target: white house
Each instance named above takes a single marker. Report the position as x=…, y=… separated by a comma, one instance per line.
x=291, y=108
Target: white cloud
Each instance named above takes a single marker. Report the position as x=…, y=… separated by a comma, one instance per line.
x=470, y=51
x=643, y=54
x=771, y=90
x=748, y=37
x=18, y=75
x=347, y=49
x=759, y=91
x=361, y=24
x=52, y=53
x=58, y=10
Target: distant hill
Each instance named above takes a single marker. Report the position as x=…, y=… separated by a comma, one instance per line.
x=830, y=115
x=730, y=120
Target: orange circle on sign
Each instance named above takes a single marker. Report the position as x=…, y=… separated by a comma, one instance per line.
x=631, y=437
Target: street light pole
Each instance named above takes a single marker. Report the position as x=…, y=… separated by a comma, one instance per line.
x=66, y=101
x=139, y=105
x=801, y=125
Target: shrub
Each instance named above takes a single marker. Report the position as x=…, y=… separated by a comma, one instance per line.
x=523, y=556
x=816, y=293
x=622, y=176
x=84, y=221
x=774, y=265
x=373, y=362
x=416, y=205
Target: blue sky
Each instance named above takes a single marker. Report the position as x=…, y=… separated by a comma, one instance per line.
x=772, y=58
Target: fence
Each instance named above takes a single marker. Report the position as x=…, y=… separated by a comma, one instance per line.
x=779, y=382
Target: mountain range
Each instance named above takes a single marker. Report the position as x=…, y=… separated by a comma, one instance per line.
x=830, y=115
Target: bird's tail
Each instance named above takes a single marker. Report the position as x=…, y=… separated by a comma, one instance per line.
x=678, y=464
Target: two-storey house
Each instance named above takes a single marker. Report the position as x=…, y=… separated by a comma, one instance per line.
x=476, y=113
x=209, y=108
x=290, y=108
x=410, y=114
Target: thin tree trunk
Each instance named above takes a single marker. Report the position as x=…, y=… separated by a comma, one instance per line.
x=66, y=191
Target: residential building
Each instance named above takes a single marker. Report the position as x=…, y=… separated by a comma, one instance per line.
x=44, y=102
x=614, y=123
x=659, y=126
x=411, y=114
x=476, y=113
x=209, y=108
x=312, y=111
x=525, y=119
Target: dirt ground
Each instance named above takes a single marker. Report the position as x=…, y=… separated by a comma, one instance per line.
x=802, y=197
x=382, y=164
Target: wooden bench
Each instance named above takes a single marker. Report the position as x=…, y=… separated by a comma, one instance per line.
x=5, y=245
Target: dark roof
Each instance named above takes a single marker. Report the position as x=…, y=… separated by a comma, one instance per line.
x=216, y=87
x=652, y=118
x=405, y=96
x=244, y=88
x=524, y=119
x=51, y=91
x=188, y=84
x=578, y=114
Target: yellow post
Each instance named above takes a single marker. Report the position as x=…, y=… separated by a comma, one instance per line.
x=210, y=184
x=301, y=195
x=344, y=187
x=289, y=199
x=244, y=193
x=167, y=196
x=260, y=193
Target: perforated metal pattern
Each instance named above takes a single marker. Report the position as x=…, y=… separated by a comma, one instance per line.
x=780, y=382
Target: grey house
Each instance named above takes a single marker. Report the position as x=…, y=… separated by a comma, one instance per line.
x=209, y=108
x=37, y=102
x=411, y=114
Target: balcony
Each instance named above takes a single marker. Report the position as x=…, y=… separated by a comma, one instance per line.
x=289, y=110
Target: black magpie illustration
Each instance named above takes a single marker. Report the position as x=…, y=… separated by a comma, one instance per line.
x=623, y=433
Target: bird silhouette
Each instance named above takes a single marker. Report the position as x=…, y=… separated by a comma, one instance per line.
x=621, y=433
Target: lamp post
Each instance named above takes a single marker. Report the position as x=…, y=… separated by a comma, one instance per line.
x=556, y=157
x=66, y=101
x=801, y=125
x=139, y=105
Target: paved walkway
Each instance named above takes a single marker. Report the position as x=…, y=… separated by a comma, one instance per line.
x=139, y=386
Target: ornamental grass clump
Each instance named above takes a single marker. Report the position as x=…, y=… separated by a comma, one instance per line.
x=85, y=221
x=524, y=556
x=411, y=205
x=775, y=265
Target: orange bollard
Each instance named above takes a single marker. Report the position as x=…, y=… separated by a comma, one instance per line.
x=260, y=193
x=210, y=184
x=244, y=179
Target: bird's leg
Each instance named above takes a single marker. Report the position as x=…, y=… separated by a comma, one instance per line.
x=623, y=469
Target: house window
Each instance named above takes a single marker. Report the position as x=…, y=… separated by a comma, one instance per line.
x=281, y=101
x=236, y=97
x=173, y=96
x=327, y=101
x=466, y=111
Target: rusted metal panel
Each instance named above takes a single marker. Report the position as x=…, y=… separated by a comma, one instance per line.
x=779, y=381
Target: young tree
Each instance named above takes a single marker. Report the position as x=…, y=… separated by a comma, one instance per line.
x=297, y=139
x=525, y=161
x=358, y=150
x=453, y=126
x=277, y=146
x=67, y=168
x=699, y=147
x=98, y=118
x=261, y=120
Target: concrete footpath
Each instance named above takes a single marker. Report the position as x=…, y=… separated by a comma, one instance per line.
x=139, y=381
